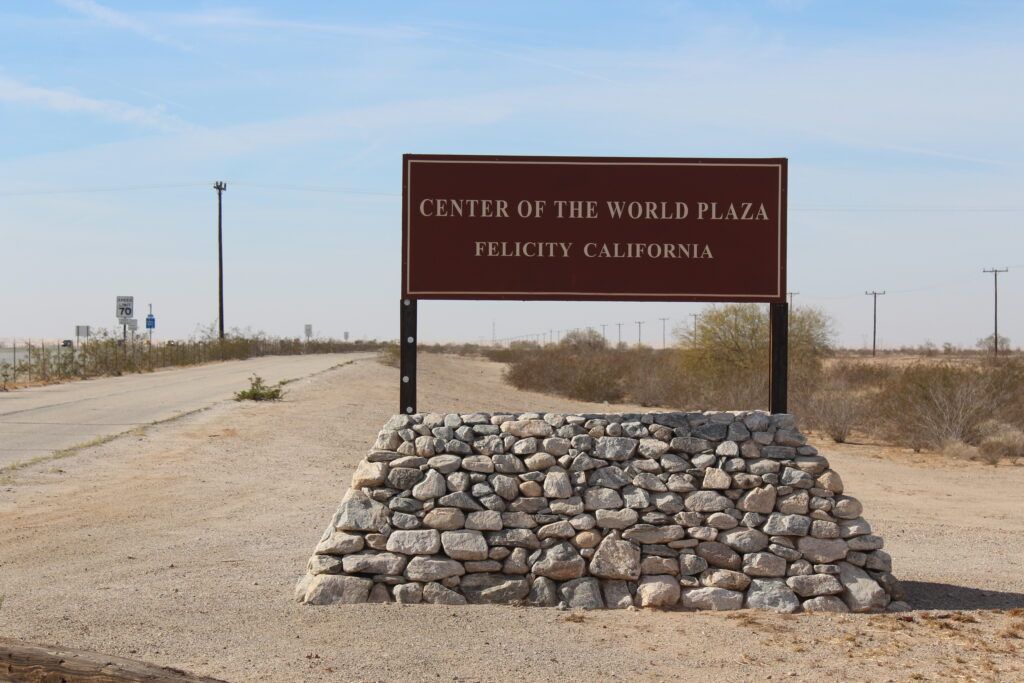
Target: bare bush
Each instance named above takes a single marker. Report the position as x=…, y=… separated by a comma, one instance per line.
x=958, y=450
x=836, y=407
x=1000, y=440
x=926, y=406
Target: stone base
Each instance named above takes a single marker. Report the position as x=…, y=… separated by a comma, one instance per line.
x=711, y=511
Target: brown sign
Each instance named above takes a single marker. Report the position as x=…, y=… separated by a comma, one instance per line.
x=591, y=228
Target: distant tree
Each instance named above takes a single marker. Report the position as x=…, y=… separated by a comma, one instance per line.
x=587, y=339
x=988, y=343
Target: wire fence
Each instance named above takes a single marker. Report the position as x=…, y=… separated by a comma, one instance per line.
x=41, y=361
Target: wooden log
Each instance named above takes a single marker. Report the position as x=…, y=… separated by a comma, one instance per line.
x=22, y=662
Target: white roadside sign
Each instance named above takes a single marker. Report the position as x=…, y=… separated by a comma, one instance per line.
x=125, y=309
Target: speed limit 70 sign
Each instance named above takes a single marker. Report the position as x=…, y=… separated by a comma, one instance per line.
x=125, y=308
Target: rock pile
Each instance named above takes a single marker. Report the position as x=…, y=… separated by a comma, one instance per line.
x=697, y=510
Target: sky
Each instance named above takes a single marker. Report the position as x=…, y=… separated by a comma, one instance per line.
x=901, y=123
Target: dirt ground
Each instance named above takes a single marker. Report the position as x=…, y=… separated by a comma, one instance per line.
x=180, y=546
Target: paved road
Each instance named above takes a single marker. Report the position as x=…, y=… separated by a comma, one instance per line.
x=38, y=421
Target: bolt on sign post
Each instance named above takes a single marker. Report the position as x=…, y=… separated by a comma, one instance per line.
x=594, y=229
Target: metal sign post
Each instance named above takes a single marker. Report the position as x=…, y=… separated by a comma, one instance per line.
x=407, y=356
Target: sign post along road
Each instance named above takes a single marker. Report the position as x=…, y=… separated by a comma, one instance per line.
x=594, y=229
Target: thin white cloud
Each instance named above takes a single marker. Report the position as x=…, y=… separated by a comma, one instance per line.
x=122, y=21
x=64, y=101
x=240, y=19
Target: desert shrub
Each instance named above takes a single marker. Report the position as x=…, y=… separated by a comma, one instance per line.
x=580, y=366
x=259, y=391
x=958, y=450
x=1000, y=440
x=928, y=405
x=652, y=377
x=836, y=406
x=725, y=363
x=389, y=355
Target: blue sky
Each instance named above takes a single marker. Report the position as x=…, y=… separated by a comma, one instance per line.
x=902, y=123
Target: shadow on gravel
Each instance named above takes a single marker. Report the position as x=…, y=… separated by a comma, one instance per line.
x=926, y=595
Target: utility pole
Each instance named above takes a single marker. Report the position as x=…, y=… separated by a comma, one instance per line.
x=494, y=333
x=663, y=321
x=874, y=326
x=220, y=186
x=603, y=335
x=791, y=295
x=694, y=316
x=620, y=333
x=639, y=328
x=995, y=284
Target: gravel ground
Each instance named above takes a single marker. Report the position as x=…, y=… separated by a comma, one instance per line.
x=180, y=545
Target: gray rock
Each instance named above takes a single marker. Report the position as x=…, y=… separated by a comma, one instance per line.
x=764, y=565
x=359, y=512
x=847, y=508
x=583, y=593
x=647, y=533
x=779, y=524
x=600, y=498
x=494, y=588
x=772, y=594
x=822, y=549
x=420, y=542
x=616, y=594
x=557, y=484
x=657, y=591
x=616, y=519
x=744, y=540
x=610, y=477
x=560, y=529
x=513, y=538
x=369, y=474
x=560, y=562
x=340, y=543
x=690, y=565
x=426, y=568
x=866, y=543
x=324, y=564
x=635, y=498
x=436, y=594
x=409, y=593
x=403, y=478
x=460, y=500
x=517, y=562
x=719, y=555
x=616, y=448
x=445, y=519
x=329, y=589
x=543, y=593
x=725, y=578
x=528, y=428
x=659, y=565
x=433, y=485
x=689, y=445
x=374, y=563
x=707, y=501
x=861, y=593
x=616, y=559
x=813, y=585
x=718, y=599
x=507, y=464
x=464, y=545
x=517, y=520
x=825, y=603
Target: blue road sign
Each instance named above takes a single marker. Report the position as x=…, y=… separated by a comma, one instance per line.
x=150, y=322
